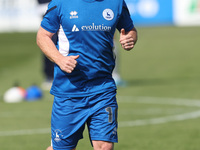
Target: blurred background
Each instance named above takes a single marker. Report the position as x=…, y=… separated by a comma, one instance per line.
x=158, y=105
x=24, y=15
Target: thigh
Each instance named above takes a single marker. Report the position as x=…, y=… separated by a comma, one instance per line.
x=67, y=122
x=103, y=124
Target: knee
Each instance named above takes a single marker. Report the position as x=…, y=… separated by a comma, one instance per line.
x=101, y=145
x=107, y=146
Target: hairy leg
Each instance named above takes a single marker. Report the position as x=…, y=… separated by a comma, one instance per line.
x=103, y=145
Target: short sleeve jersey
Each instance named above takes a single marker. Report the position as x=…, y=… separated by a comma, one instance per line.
x=86, y=28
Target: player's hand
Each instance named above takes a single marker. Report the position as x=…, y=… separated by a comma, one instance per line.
x=68, y=63
x=128, y=39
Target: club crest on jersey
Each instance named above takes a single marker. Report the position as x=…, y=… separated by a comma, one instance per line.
x=73, y=15
x=108, y=14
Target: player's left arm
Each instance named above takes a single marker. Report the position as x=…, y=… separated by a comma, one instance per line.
x=128, y=39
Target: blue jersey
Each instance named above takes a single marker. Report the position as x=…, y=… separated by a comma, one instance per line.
x=86, y=28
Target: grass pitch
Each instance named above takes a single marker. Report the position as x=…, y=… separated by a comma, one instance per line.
x=159, y=108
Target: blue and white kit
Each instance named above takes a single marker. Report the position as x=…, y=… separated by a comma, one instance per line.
x=85, y=28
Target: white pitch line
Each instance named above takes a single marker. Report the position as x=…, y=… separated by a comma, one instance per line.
x=25, y=132
x=130, y=99
x=157, y=100
x=161, y=120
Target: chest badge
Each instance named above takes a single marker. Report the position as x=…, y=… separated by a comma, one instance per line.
x=108, y=14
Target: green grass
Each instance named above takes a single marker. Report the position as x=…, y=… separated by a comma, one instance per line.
x=164, y=63
x=162, y=74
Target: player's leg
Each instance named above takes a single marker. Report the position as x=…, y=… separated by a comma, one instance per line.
x=67, y=122
x=49, y=148
x=102, y=145
x=102, y=124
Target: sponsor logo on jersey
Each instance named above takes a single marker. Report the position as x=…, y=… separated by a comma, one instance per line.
x=73, y=15
x=75, y=29
x=92, y=27
x=108, y=14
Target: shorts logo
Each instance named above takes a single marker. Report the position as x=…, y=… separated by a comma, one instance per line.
x=108, y=14
x=114, y=131
x=58, y=135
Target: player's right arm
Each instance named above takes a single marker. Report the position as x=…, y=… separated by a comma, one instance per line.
x=47, y=46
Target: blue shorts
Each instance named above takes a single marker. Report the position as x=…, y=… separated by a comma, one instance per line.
x=70, y=114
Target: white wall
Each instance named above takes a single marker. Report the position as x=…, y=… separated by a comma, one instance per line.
x=19, y=15
x=186, y=12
